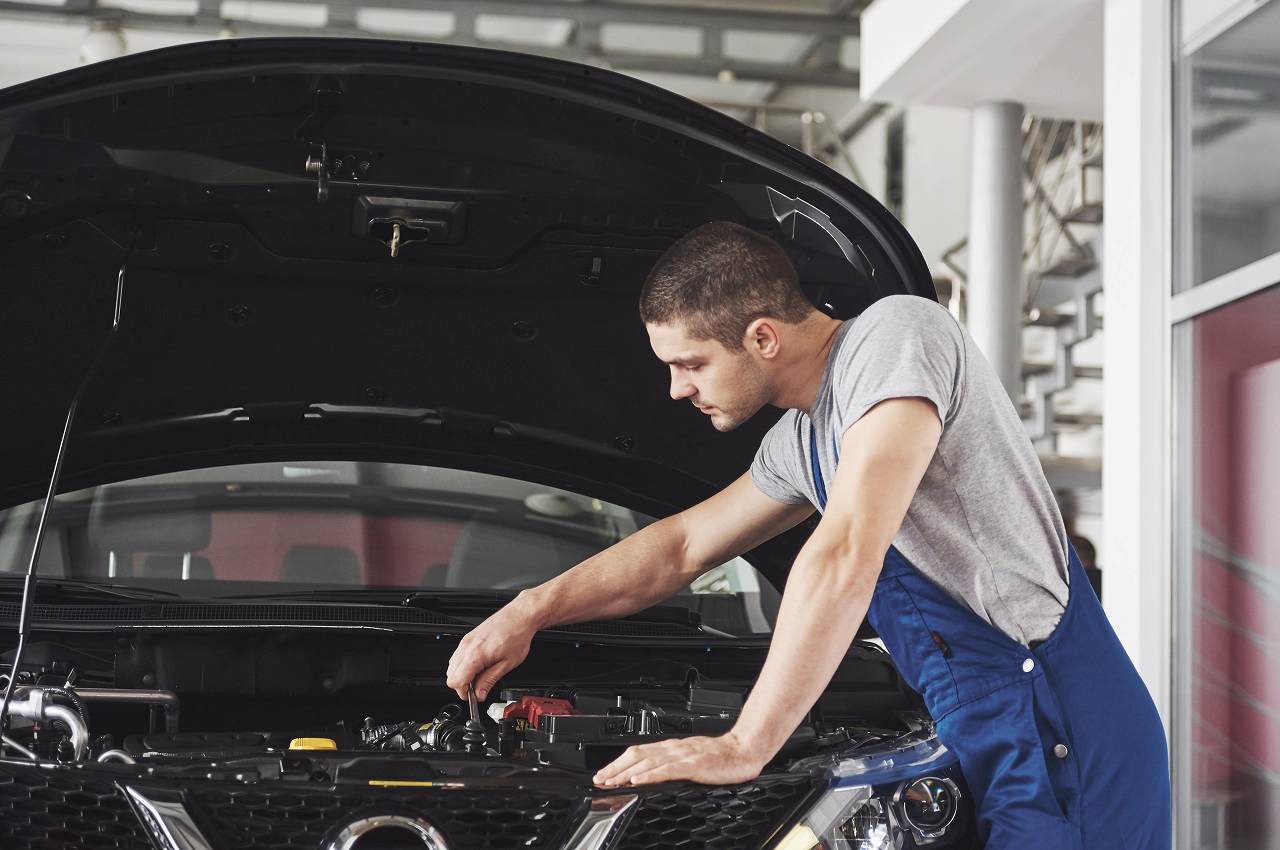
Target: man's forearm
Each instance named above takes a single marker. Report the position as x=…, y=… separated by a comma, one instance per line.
x=826, y=597
x=636, y=572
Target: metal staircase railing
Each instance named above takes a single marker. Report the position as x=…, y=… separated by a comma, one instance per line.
x=1062, y=286
x=818, y=136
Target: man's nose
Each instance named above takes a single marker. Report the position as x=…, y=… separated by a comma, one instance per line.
x=681, y=388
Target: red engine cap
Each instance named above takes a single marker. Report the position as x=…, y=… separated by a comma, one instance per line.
x=529, y=709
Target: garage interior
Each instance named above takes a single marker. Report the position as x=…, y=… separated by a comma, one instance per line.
x=1092, y=185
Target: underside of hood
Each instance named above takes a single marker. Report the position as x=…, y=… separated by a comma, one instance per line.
x=231, y=204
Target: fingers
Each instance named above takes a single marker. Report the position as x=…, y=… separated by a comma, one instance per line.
x=633, y=761
x=698, y=759
x=660, y=773
x=461, y=672
x=486, y=680
x=464, y=673
x=485, y=654
x=608, y=774
x=475, y=672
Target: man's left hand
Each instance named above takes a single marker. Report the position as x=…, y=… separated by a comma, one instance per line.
x=719, y=760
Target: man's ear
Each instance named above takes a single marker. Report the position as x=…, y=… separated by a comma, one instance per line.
x=762, y=338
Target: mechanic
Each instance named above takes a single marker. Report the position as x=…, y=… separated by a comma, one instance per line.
x=937, y=525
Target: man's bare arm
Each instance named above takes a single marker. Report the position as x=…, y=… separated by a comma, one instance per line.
x=636, y=572
x=883, y=456
x=657, y=561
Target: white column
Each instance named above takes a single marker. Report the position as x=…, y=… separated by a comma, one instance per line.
x=1136, y=269
x=995, y=239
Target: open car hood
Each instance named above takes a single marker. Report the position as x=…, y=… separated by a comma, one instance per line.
x=261, y=314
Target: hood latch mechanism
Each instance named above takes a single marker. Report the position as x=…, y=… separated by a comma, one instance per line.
x=396, y=222
x=318, y=164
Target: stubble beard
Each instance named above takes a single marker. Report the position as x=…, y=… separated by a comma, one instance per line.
x=753, y=394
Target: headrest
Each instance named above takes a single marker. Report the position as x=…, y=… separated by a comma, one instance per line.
x=118, y=523
x=489, y=555
x=320, y=564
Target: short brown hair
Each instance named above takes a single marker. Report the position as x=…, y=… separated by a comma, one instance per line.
x=720, y=277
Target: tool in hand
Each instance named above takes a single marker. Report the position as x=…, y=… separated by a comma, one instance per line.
x=473, y=737
x=472, y=704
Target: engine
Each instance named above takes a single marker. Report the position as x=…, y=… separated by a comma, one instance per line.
x=573, y=728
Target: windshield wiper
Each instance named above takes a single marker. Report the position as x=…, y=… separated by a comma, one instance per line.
x=377, y=596
x=89, y=588
x=446, y=600
x=455, y=599
x=457, y=603
x=382, y=595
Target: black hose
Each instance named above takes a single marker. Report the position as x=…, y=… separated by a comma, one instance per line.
x=73, y=698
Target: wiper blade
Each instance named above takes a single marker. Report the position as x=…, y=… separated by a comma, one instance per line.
x=89, y=587
x=457, y=603
x=661, y=615
x=454, y=599
x=381, y=595
x=447, y=599
x=361, y=595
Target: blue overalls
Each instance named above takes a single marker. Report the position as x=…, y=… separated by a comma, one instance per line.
x=1061, y=745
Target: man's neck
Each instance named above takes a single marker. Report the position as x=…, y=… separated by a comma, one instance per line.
x=803, y=371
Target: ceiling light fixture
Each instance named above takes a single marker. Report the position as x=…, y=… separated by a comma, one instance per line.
x=104, y=40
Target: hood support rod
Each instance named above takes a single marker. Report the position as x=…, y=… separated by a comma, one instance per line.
x=28, y=585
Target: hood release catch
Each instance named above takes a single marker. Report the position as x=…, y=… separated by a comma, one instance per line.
x=397, y=222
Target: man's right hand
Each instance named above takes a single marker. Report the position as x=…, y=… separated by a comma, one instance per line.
x=491, y=649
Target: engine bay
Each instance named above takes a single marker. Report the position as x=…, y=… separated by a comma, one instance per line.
x=258, y=744
x=254, y=704
x=565, y=728
x=271, y=730
x=584, y=729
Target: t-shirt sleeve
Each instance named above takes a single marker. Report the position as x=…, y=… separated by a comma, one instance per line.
x=908, y=346
x=774, y=468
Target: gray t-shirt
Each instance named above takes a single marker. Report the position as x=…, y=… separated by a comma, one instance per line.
x=983, y=524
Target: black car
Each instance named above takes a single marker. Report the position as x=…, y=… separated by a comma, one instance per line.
x=330, y=347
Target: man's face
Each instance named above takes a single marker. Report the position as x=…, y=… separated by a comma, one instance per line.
x=728, y=386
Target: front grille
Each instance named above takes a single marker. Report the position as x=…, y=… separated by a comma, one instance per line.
x=44, y=809
x=53, y=809
x=283, y=819
x=735, y=817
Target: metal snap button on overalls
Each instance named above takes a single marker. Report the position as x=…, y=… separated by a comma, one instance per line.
x=1060, y=750
x=1028, y=665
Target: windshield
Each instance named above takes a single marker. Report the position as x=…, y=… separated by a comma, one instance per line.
x=272, y=527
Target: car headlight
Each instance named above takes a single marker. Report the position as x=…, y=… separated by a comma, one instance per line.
x=928, y=806
x=907, y=798
x=869, y=827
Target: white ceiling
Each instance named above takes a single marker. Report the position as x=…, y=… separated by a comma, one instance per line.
x=1044, y=54
x=30, y=49
x=34, y=47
